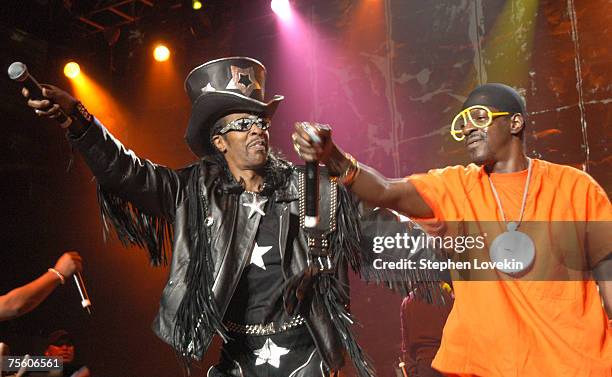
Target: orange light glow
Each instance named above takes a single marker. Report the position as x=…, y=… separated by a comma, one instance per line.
x=100, y=102
x=72, y=70
x=161, y=53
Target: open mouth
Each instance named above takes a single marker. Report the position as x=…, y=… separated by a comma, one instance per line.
x=473, y=141
x=258, y=145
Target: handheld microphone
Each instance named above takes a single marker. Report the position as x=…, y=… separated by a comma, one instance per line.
x=19, y=72
x=311, y=219
x=85, y=301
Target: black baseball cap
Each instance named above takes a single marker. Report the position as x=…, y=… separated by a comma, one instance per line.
x=60, y=338
x=500, y=96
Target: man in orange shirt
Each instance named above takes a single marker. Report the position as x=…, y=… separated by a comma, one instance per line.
x=504, y=326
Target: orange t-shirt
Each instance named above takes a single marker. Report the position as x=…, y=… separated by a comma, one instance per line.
x=519, y=327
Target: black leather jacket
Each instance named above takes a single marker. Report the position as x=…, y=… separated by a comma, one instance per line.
x=159, y=192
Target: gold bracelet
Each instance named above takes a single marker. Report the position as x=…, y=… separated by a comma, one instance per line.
x=352, y=171
x=59, y=275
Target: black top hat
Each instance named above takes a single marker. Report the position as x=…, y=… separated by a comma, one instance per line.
x=221, y=87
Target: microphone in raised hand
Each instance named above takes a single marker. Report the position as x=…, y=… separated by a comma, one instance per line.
x=19, y=72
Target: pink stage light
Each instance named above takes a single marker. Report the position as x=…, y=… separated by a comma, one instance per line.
x=282, y=8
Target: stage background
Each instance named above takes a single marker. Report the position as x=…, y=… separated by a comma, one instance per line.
x=387, y=75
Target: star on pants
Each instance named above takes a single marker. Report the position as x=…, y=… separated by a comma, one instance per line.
x=257, y=255
x=256, y=206
x=270, y=353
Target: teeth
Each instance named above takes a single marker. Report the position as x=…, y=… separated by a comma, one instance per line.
x=258, y=143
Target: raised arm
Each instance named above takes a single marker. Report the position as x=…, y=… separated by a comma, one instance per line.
x=24, y=299
x=151, y=188
x=368, y=184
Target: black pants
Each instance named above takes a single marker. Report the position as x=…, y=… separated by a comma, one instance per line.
x=288, y=354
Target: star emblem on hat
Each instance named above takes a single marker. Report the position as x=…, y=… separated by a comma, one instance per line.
x=243, y=79
x=208, y=88
x=270, y=353
x=256, y=205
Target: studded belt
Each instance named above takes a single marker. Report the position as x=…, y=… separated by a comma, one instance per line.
x=267, y=329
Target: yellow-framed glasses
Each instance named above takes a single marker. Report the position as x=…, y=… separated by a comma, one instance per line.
x=480, y=116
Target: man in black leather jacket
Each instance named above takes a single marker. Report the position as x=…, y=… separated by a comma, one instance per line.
x=242, y=265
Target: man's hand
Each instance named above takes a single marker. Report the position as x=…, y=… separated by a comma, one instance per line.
x=69, y=263
x=58, y=101
x=306, y=148
x=369, y=185
x=325, y=151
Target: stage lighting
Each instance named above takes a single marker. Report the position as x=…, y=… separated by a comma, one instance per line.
x=196, y=4
x=161, y=53
x=282, y=8
x=72, y=70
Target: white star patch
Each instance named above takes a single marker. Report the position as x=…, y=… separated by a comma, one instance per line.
x=270, y=353
x=256, y=206
x=208, y=88
x=257, y=255
x=243, y=79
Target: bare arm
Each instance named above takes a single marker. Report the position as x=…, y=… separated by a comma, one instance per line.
x=369, y=185
x=25, y=298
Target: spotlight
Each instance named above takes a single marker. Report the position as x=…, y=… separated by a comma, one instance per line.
x=72, y=70
x=282, y=8
x=161, y=53
x=196, y=4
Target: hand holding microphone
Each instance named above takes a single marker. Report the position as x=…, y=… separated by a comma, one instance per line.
x=71, y=264
x=39, y=97
x=49, y=101
x=307, y=136
x=312, y=141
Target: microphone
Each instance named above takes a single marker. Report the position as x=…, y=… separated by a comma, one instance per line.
x=85, y=301
x=311, y=219
x=19, y=72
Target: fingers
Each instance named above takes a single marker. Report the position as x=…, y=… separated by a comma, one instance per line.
x=77, y=260
x=78, y=266
x=52, y=112
x=304, y=148
x=50, y=91
x=47, y=91
x=74, y=255
x=305, y=144
x=39, y=104
x=56, y=103
x=69, y=263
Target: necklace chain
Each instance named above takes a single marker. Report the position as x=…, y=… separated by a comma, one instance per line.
x=498, y=201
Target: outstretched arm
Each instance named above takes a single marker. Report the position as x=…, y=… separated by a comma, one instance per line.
x=24, y=299
x=151, y=188
x=368, y=184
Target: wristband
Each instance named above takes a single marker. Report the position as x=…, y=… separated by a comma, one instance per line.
x=59, y=275
x=351, y=172
x=81, y=120
x=81, y=114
